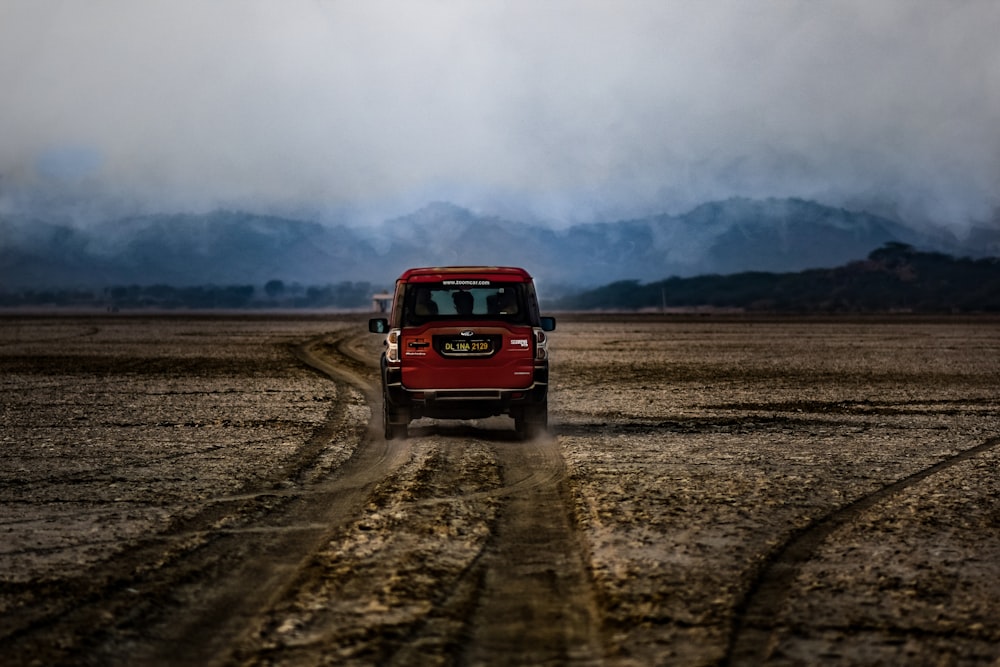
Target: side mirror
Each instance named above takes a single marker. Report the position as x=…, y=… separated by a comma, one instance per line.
x=548, y=323
x=378, y=325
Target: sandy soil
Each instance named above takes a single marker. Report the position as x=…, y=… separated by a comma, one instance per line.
x=210, y=490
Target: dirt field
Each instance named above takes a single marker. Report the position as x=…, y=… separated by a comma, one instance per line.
x=210, y=490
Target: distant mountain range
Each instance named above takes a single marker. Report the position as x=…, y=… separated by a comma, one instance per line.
x=231, y=247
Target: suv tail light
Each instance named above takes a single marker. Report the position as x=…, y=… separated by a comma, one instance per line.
x=392, y=346
x=541, y=345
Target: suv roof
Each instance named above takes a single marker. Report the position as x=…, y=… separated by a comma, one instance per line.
x=440, y=273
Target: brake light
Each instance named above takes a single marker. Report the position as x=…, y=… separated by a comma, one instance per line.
x=392, y=346
x=541, y=345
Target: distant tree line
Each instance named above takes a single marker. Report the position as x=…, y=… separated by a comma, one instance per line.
x=895, y=277
x=274, y=294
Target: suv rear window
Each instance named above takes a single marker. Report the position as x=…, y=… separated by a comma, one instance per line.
x=424, y=302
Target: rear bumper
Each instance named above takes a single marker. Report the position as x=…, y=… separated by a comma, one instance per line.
x=465, y=403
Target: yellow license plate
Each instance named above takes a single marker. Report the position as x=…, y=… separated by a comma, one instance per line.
x=467, y=347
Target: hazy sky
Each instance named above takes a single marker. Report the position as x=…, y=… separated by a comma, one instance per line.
x=565, y=110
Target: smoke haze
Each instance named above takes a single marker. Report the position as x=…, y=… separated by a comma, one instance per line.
x=562, y=110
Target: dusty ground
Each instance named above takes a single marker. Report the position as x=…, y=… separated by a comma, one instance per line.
x=207, y=490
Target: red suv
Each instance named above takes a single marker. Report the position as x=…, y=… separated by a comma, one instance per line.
x=464, y=343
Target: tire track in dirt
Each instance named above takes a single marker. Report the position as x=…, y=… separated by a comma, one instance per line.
x=187, y=595
x=272, y=564
x=397, y=585
x=537, y=604
x=465, y=555
x=527, y=597
x=85, y=333
x=753, y=625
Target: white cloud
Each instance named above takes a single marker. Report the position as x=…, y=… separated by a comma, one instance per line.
x=565, y=108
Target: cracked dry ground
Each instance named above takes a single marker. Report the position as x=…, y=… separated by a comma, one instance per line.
x=209, y=490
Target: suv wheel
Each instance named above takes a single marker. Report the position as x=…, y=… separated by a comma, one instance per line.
x=532, y=421
x=391, y=422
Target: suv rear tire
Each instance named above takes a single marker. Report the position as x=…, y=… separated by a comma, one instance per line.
x=532, y=421
x=394, y=430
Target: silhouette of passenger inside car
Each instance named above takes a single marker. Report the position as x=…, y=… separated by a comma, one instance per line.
x=463, y=303
x=425, y=305
x=506, y=303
